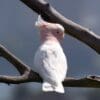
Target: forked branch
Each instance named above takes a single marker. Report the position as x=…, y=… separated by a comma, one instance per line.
x=73, y=29
x=28, y=75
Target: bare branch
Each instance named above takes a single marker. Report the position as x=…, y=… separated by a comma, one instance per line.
x=28, y=75
x=77, y=31
x=89, y=81
x=21, y=67
x=50, y=14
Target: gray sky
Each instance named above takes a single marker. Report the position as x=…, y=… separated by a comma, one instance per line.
x=20, y=36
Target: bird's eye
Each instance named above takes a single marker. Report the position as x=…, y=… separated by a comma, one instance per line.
x=57, y=32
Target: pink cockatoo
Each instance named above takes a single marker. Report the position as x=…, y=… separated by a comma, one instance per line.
x=50, y=61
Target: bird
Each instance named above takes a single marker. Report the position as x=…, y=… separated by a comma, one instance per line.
x=50, y=61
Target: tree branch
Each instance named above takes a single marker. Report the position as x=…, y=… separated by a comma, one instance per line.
x=24, y=70
x=75, y=30
x=28, y=75
x=50, y=14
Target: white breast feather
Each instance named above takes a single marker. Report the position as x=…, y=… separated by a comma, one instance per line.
x=50, y=62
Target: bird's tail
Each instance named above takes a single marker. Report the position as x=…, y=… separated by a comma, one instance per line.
x=47, y=87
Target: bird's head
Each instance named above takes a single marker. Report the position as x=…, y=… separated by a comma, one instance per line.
x=50, y=30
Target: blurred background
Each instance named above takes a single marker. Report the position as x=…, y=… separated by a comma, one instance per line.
x=20, y=36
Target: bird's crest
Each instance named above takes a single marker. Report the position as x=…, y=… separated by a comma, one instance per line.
x=40, y=21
